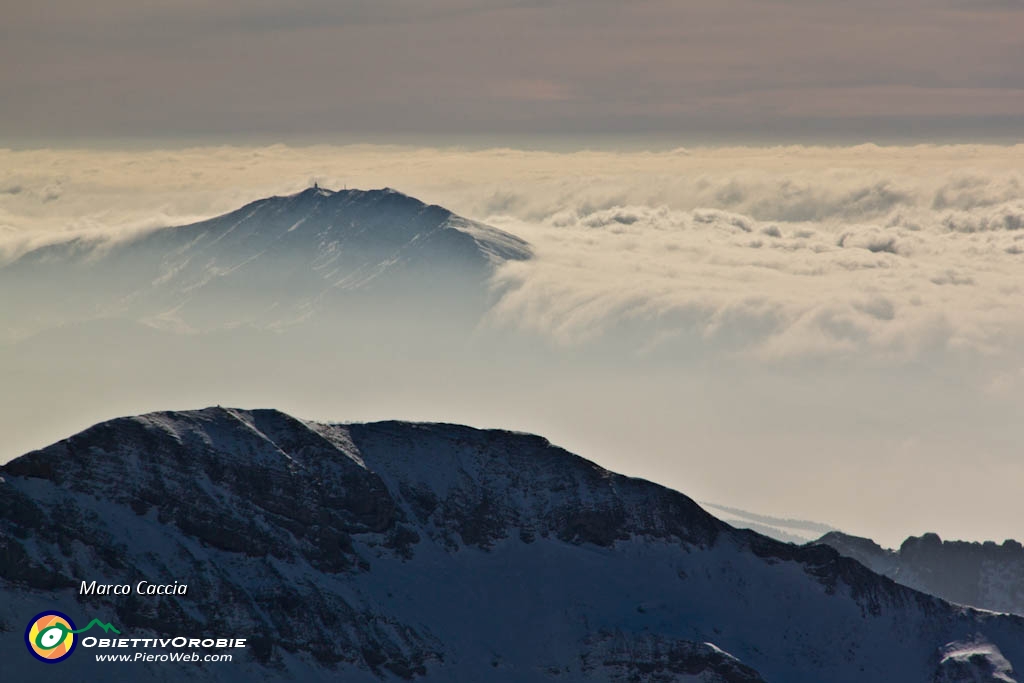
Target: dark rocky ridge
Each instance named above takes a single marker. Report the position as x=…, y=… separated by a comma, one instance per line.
x=439, y=551
x=986, y=575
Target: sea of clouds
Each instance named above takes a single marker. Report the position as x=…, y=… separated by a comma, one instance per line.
x=779, y=252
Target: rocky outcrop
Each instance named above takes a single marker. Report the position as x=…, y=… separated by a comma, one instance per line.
x=650, y=658
x=437, y=552
x=985, y=575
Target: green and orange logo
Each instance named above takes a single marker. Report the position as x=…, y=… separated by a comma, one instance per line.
x=51, y=637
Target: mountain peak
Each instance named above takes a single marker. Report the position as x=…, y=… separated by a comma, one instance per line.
x=443, y=552
x=520, y=478
x=985, y=575
x=318, y=190
x=315, y=191
x=271, y=263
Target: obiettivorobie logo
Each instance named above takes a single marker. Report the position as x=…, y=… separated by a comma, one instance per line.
x=51, y=636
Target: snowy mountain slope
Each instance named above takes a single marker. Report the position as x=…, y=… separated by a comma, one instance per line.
x=985, y=575
x=429, y=551
x=274, y=261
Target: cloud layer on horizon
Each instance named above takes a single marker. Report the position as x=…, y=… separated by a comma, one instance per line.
x=782, y=252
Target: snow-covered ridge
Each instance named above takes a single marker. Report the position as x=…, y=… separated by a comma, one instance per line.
x=984, y=575
x=440, y=552
x=385, y=216
x=271, y=263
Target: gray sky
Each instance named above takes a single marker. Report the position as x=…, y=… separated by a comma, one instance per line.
x=750, y=70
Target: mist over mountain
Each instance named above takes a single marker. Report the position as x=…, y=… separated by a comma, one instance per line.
x=285, y=296
x=270, y=264
x=986, y=575
x=438, y=552
x=789, y=530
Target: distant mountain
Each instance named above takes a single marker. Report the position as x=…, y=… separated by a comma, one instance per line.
x=986, y=575
x=368, y=552
x=273, y=262
x=780, y=528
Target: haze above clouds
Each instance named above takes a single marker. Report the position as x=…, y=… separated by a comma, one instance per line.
x=819, y=332
x=746, y=70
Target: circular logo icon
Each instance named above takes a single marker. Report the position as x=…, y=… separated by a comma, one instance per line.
x=50, y=637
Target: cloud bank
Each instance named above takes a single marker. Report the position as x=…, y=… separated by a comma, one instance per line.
x=779, y=252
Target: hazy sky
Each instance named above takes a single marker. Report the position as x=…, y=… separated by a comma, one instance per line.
x=748, y=70
x=832, y=333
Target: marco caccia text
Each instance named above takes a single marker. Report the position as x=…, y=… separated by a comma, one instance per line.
x=141, y=588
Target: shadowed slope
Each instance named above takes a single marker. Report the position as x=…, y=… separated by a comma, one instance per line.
x=446, y=553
